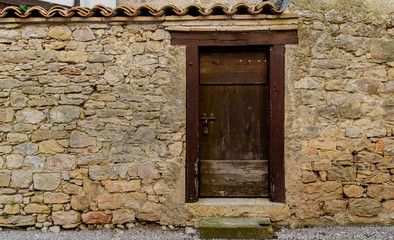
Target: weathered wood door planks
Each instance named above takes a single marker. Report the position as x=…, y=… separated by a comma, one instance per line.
x=234, y=152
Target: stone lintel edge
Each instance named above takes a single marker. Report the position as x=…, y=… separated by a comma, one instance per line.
x=147, y=18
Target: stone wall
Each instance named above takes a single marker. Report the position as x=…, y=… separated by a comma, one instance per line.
x=339, y=114
x=92, y=124
x=92, y=121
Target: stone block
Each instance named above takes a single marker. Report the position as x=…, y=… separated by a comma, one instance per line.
x=17, y=221
x=64, y=114
x=35, y=161
x=5, y=179
x=62, y=162
x=323, y=165
x=6, y=114
x=364, y=207
x=14, y=161
x=114, y=75
x=46, y=181
x=36, y=208
x=161, y=188
x=21, y=179
x=150, y=212
x=323, y=145
x=96, y=218
x=12, y=209
x=17, y=138
x=102, y=173
x=80, y=203
x=83, y=35
x=60, y=33
x=33, y=31
x=72, y=56
x=111, y=201
x=29, y=115
x=122, y=216
x=250, y=228
x=353, y=191
x=50, y=146
x=122, y=186
x=323, y=191
x=66, y=219
x=335, y=206
x=381, y=191
x=346, y=174
x=148, y=171
x=11, y=199
x=26, y=148
x=308, y=177
x=81, y=139
x=56, y=197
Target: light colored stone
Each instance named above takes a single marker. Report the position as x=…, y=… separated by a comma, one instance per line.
x=60, y=33
x=102, y=173
x=83, y=35
x=364, y=207
x=148, y=171
x=55, y=197
x=80, y=203
x=122, y=186
x=111, y=201
x=323, y=165
x=5, y=179
x=46, y=181
x=122, y=216
x=66, y=218
x=6, y=114
x=35, y=161
x=353, y=191
x=26, y=148
x=73, y=56
x=161, y=188
x=96, y=218
x=65, y=114
x=12, y=209
x=17, y=138
x=11, y=199
x=150, y=212
x=37, y=208
x=80, y=139
x=14, y=161
x=21, y=179
x=62, y=162
x=176, y=149
x=50, y=146
x=114, y=75
x=30, y=115
x=308, y=176
x=17, y=221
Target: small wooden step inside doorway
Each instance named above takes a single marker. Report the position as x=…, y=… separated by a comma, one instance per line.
x=233, y=122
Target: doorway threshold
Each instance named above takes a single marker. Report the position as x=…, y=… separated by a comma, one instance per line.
x=238, y=207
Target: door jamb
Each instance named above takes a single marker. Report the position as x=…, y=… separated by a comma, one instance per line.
x=276, y=41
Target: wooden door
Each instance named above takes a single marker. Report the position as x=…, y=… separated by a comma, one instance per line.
x=234, y=122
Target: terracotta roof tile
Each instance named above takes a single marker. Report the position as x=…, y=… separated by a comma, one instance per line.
x=241, y=8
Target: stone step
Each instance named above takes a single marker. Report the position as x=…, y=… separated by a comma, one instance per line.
x=236, y=228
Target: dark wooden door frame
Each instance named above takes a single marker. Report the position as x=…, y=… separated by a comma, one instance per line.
x=276, y=41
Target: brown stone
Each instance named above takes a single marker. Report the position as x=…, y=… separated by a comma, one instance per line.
x=79, y=173
x=305, y=210
x=62, y=162
x=17, y=221
x=149, y=212
x=60, y=33
x=346, y=174
x=6, y=115
x=50, y=197
x=12, y=209
x=50, y=146
x=322, y=191
x=161, y=188
x=111, y=201
x=122, y=216
x=334, y=207
x=353, y=191
x=365, y=207
x=122, y=186
x=67, y=219
x=5, y=179
x=70, y=188
x=80, y=203
x=381, y=191
x=37, y=208
x=96, y=218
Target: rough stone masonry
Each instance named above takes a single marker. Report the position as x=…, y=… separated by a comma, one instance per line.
x=92, y=121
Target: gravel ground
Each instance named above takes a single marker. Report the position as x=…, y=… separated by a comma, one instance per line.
x=155, y=232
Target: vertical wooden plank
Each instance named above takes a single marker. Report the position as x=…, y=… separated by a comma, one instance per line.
x=207, y=104
x=192, y=123
x=235, y=127
x=223, y=123
x=277, y=88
